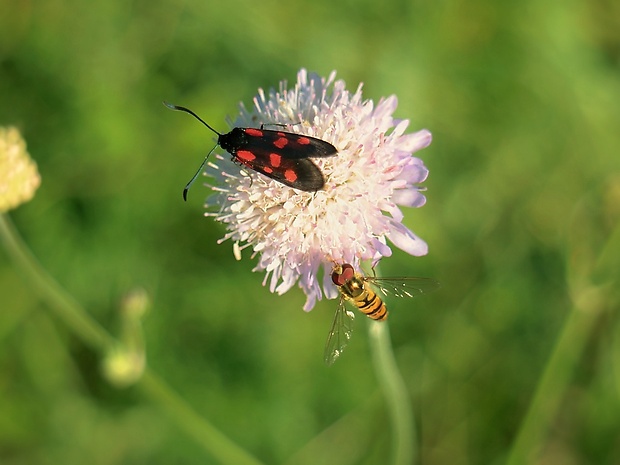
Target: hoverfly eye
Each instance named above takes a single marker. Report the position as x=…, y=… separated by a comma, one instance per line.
x=337, y=278
x=342, y=274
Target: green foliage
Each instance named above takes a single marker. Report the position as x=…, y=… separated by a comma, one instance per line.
x=521, y=219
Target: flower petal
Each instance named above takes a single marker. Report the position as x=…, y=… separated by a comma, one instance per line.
x=406, y=240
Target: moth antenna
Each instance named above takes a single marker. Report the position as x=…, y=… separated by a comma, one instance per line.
x=187, y=110
x=191, y=181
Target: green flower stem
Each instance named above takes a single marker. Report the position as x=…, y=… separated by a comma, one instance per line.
x=92, y=334
x=552, y=385
x=44, y=285
x=395, y=393
x=211, y=439
x=588, y=261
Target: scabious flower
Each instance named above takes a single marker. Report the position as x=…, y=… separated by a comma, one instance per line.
x=19, y=178
x=295, y=234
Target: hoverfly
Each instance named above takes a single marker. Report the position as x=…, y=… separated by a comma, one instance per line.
x=355, y=288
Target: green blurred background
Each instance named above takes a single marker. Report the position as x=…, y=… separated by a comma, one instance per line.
x=523, y=99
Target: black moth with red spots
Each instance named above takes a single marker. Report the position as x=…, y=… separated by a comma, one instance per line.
x=279, y=155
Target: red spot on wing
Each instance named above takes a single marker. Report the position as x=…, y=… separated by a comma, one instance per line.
x=267, y=170
x=245, y=156
x=290, y=175
x=303, y=141
x=275, y=160
x=281, y=142
x=254, y=132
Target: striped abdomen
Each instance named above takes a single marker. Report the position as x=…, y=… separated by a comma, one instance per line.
x=353, y=287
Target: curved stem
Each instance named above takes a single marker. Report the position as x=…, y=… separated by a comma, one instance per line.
x=93, y=335
x=552, y=385
x=395, y=393
x=207, y=435
x=50, y=291
x=589, y=261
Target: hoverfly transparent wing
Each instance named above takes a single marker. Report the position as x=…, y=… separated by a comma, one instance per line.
x=403, y=286
x=340, y=333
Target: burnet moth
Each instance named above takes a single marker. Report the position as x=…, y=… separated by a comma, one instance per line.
x=279, y=155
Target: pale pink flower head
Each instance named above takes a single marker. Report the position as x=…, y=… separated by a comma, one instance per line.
x=19, y=176
x=352, y=219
